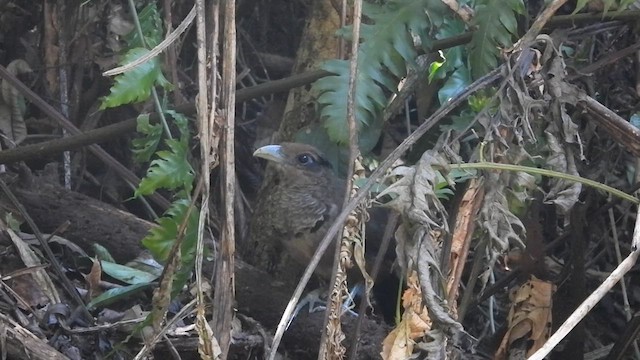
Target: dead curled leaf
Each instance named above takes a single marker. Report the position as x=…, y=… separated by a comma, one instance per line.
x=413, y=195
x=418, y=248
x=503, y=229
x=539, y=94
x=529, y=316
x=415, y=323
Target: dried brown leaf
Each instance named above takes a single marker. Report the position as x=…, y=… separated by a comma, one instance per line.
x=415, y=323
x=529, y=316
x=93, y=279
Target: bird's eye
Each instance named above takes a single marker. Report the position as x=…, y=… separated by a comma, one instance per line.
x=305, y=159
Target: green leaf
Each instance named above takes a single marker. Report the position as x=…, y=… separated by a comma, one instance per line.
x=135, y=85
x=127, y=274
x=435, y=66
x=455, y=84
x=12, y=222
x=145, y=146
x=181, y=122
x=161, y=239
x=102, y=253
x=171, y=170
x=151, y=25
x=496, y=26
x=112, y=295
x=385, y=55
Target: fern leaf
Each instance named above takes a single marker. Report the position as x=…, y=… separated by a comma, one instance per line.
x=135, y=85
x=386, y=52
x=496, y=25
x=181, y=122
x=145, y=146
x=151, y=26
x=170, y=170
x=160, y=240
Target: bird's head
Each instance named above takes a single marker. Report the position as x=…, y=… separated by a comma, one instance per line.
x=299, y=167
x=295, y=157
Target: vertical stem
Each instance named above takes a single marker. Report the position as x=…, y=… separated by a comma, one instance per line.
x=331, y=348
x=224, y=287
x=205, y=133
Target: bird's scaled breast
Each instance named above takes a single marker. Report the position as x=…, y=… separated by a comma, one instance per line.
x=299, y=199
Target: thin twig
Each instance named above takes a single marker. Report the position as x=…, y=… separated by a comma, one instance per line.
x=148, y=346
x=329, y=346
x=623, y=285
x=537, y=25
x=173, y=36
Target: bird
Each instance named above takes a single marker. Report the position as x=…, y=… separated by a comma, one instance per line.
x=299, y=198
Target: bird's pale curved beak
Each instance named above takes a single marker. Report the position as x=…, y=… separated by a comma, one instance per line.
x=270, y=152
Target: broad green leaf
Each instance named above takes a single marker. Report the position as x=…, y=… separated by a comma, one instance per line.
x=112, y=295
x=127, y=274
x=455, y=84
x=145, y=146
x=160, y=239
x=181, y=122
x=102, y=253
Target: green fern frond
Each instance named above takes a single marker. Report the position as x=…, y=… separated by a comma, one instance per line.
x=387, y=51
x=151, y=26
x=496, y=26
x=150, y=135
x=135, y=85
x=147, y=143
x=160, y=240
x=171, y=170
